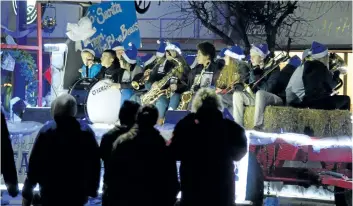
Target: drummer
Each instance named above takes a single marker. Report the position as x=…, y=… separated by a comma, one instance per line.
x=127, y=73
x=89, y=64
x=110, y=66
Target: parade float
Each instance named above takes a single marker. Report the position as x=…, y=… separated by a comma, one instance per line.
x=302, y=147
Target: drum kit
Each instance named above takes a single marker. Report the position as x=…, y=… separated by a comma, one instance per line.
x=98, y=101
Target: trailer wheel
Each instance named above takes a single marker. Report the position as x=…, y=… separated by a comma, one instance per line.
x=343, y=197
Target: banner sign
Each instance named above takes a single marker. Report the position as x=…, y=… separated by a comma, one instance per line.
x=113, y=21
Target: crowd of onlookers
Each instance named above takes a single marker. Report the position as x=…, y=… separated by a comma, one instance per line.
x=139, y=165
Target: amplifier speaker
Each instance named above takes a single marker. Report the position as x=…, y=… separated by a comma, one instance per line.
x=37, y=114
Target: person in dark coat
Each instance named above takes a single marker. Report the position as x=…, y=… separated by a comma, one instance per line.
x=127, y=117
x=206, y=145
x=141, y=170
x=8, y=167
x=64, y=160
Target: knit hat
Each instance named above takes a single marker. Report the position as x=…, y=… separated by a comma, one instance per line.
x=306, y=53
x=235, y=52
x=175, y=46
x=161, y=50
x=260, y=49
x=221, y=53
x=295, y=61
x=130, y=54
x=191, y=60
x=147, y=59
x=318, y=50
x=117, y=45
x=89, y=49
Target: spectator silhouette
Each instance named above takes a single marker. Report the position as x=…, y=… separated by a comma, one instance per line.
x=64, y=160
x=206, y=145
x=8, y=167
x=141, y=171
x=127, y=117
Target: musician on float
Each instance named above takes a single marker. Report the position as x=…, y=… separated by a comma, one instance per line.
x=203, y=75
x=110, y=66
x=312, y=85
x=277, y=96
x=118, y=48
x=233, y=75
x=262, y=63
x=90, y=64
x=129, y=69
x=149, y=62
x=177, y=84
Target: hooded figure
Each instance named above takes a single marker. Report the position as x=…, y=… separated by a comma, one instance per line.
x=141, y=171
x=64, y=160
x=207, y=144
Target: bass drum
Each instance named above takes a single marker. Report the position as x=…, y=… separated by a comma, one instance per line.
x=80, y=91
x=103, y=102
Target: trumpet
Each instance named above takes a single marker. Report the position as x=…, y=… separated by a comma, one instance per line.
x=140, y=84
x=335, y=63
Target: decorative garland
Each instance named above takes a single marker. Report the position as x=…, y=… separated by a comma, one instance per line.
x=28, y=69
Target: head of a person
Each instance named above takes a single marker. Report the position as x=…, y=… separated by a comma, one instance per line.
x=87, y=55
x=206, y=101
x=147, y=116
x=118, y=48
x=258, y=54
x=206, y=52
x=64, y=106
x=320, y=53
x=233, y=54
x=128, y=58
x=108, y=58
x=172, y=50
x=128, y=112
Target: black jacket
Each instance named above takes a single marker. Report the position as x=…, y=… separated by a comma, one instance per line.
x=142, y=172
x=318, y=81
x=8, y=167
x=111, y=72
x=64, y=161
x=283, y=80
x=207, y=150
x=269, y=82
x=157, y=75
x=213, y=67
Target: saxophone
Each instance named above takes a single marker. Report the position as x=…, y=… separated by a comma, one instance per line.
x=156, y=91
x=187, y=96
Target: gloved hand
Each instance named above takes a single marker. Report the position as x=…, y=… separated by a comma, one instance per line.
x=12, y=189
x=336, y=74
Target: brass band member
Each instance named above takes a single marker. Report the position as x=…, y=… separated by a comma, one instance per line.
x=233, y=75
x=262, y=63
x=177, y=83
x=149, y=62
x=110, y=66
x=312, y=84
x=129, y=69
x=90, y=65
x=204, y=74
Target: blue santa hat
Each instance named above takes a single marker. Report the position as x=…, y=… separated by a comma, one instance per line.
x=221, y=53
x=130, y=54
x=191, y=60
x=148, y=59
x=175, y=46
x=235, y=52
x=318, y=50
x=117, y=45
x=260, y=49
x=295, y=61
x=161, y=50
x=89, y=49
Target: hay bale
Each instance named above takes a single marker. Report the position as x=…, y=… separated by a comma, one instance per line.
x=321, y=123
